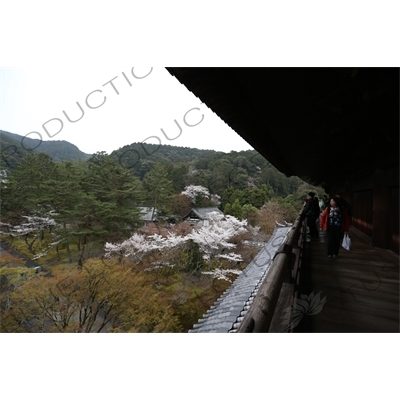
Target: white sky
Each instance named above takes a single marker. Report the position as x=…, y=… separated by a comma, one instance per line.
x=31, y=97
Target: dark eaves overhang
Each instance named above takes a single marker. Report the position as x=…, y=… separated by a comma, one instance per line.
x=324, y=125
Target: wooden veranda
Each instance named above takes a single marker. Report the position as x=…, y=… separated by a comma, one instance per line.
x=361, y=288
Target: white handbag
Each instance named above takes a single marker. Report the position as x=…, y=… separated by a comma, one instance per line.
x=346, y=244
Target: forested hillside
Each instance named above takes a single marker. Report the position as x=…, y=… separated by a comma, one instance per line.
x=185, y=166
x=11, y=151
x=215, y=170
x=14, y=147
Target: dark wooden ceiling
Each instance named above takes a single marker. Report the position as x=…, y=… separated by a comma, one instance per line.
x=324, y=125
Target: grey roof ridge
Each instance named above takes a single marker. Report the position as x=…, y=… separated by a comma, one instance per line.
x=232, y=305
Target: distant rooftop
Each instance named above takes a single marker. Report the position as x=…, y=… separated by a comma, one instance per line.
x=202, y=212
x=147, y=214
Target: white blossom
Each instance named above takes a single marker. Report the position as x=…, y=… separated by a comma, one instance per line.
x=219, y=273
x=138, y=245
x=231, y=257
x=160, y=265
x=215, y=199
x=37, y=256
x=175, y=240
x=215, y=237
x=213, y=240
x=192, y=191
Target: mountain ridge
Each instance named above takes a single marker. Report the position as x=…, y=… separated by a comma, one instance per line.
x=14, y=147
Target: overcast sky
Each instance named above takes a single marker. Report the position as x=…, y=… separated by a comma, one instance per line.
x=128, y=105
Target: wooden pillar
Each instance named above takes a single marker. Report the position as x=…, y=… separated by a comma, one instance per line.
x=381, y=211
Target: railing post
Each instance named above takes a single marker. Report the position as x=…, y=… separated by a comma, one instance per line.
x=262, y=309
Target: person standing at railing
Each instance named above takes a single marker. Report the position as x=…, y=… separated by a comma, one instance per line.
x=311, y=211
x=335, y=221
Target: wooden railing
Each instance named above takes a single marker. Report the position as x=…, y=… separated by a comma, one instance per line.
x=278, y=290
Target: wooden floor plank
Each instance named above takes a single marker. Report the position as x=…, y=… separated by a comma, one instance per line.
x=361, y=288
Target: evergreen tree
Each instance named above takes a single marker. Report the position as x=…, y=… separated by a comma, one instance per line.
x=108, y=208
x=259, y=196
x=28, y=195
x=237, y=210
x=69, y=201
x=158, y=189
x=177, y=174
x=228, y=209
x=29, y=188
x=227, y=196
x=250, y=213
x=116, y=191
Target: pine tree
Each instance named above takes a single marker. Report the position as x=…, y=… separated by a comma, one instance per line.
x=158, y=189
x=68, y=201
x=29, y=188
x=108, y=209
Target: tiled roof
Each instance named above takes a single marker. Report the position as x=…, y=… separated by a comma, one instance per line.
x=229, y=310
x=203, y=212
x=146, y=214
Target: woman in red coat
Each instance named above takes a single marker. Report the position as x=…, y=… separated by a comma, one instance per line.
x=335, y=221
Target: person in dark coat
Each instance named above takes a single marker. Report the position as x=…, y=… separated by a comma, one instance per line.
x=311, y=211
x=335, y=221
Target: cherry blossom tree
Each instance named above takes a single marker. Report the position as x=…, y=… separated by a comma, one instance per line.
x=33, y=229
x=193, y=191
x=215, y=200
x=213, y=240
x=197, y=194
x=139, y=245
